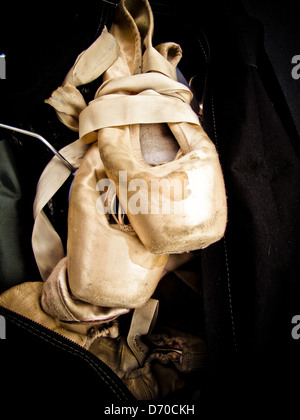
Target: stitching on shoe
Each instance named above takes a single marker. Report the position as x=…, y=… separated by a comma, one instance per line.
x=59, y=290
x=136, y=35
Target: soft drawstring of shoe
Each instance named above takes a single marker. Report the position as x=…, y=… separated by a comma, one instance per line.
x=115, y=208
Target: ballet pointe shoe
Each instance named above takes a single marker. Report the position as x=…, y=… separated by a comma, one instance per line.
x=182, y=203
x=107, y=264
